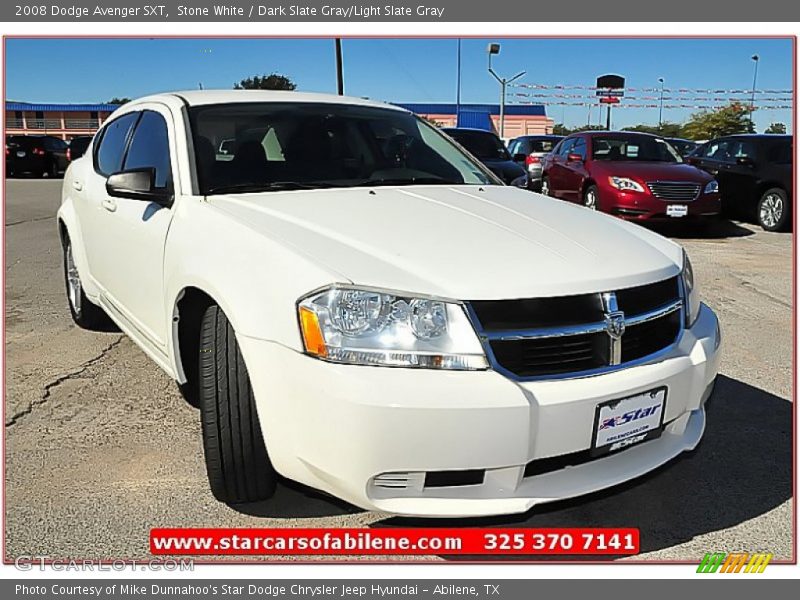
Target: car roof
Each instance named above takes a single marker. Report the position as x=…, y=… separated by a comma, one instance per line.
x=540, y=136
x=207, y=97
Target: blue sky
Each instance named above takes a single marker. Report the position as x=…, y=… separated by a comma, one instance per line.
x=416, y=70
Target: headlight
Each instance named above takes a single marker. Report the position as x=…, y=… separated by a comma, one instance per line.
x=625, y=184
x=712, y=187
x=375, y=327
x=691, y=295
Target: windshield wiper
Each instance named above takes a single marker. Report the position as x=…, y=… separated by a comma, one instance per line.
x=408, y=181
x=271, y=186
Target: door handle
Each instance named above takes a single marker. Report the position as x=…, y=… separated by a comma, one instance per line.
x=109, y=204
x=77, y=185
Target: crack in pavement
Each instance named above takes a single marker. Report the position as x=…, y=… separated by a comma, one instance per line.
x=74, y=374
x=47, y=218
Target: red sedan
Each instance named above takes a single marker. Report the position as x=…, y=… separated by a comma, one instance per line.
x=635, y=176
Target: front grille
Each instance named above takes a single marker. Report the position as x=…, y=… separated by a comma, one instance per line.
x=569, y=335
x=681, y=191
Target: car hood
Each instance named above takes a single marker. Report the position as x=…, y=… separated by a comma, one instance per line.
x=653, y=171
x=461, y=242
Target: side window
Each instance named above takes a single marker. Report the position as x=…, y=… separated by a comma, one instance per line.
x=717, y=150
x=108, y=153
x=566, y=146
x=742, y=149
x=149, y=148
x=512, y=147
x=780, y=153
x=580, y=148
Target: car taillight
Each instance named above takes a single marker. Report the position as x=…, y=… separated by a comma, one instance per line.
x=532, y=160
x=38, y=151
x=69, y=154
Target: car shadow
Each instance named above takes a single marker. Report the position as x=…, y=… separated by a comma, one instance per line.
x=716, y=230
x=741, y=469
x=296, y=501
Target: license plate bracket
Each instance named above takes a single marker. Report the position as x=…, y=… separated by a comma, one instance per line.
x=624, y=422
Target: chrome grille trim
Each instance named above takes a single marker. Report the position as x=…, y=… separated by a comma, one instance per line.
x=677, y=191
x=487, y=337
x=598, y=327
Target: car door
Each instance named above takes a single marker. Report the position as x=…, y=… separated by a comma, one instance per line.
x=89, y=191
x=737, y=175
x=574, y=172
x=132, y=233
x=713, y=156
x=556, y=174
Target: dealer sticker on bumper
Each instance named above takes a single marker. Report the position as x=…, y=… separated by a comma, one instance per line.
x=677, y=210
x=622, y=423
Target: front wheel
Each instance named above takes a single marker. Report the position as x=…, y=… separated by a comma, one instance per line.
x=238, y=467
x=590, y=197
x=773, y=210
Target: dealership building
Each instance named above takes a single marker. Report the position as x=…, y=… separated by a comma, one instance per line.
x=64, y=121
x=520, y=119
x=69, y=120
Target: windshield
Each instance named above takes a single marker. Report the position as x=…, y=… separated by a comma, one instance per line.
x=278, y=146
x=643, y=148
x=481, y=144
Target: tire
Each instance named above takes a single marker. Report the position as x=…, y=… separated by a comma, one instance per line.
x=85, y=314
x=772, y=211
x=544, y=187
x=237, y=463
x=590, y=198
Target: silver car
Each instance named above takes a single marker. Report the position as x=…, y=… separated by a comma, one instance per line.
x=528, y=150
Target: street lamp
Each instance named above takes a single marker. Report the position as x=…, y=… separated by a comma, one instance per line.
x=495, y=49
x=660, y=102
x=755, y=59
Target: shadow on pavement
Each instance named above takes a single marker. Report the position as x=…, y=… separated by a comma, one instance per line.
x=714, y=230
x=741, y=469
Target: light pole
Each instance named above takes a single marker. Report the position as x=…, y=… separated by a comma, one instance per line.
x=495, y=49
x=458, y=83
x=755, y=59
x=661, y=102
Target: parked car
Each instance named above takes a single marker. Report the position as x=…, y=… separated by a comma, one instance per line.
x=358, y=305
x=636, y=176
x=78, y=146
x=529, y=150
x=488, y=148
x=684, y=147
x=36, y=154
x=754, y=174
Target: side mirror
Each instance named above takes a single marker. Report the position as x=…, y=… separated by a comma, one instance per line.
x=745, y=161
x=138, y=184
x=520, y=157
x=572, y=157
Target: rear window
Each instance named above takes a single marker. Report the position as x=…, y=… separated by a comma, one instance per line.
x=780, y=153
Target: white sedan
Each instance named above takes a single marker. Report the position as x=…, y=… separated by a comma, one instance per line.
x=358, y=305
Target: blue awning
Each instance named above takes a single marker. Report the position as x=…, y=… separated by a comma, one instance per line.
x=475, y=120
x=41, y=107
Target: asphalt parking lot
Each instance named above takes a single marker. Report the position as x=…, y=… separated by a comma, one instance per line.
x=100, y=447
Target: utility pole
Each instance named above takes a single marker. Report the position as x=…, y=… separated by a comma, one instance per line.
x=660, y=102
x=755, y=58
x=339, y=68
x=495, y=49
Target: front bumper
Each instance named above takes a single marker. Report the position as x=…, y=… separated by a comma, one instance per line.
x=637, y=206
x=337, y=427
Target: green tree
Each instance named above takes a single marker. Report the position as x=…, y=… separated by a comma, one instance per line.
x=726, y=120
x=561, y=129
x=273, y=81
x=667, y=129
x=776, y=128
x=116, y=100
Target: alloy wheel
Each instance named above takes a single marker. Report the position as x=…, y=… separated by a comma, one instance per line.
x=73, y=282
x=771, y=210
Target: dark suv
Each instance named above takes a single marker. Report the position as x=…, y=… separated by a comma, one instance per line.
x=37, y=154
x=754, y=172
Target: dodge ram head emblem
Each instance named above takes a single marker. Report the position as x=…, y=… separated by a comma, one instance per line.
x=615, y=324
